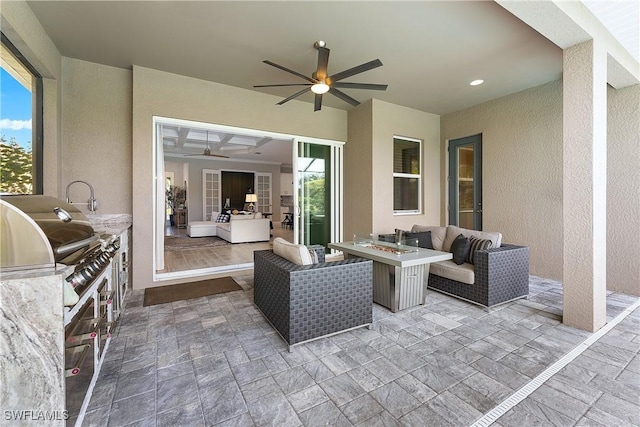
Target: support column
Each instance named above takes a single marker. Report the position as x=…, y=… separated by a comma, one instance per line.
x=584, y=185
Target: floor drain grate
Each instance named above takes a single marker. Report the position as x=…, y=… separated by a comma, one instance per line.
x=517, y=397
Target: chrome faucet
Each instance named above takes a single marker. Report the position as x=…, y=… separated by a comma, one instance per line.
x=93, y=202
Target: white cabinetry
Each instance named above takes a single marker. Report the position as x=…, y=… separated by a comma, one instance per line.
x=286, y=184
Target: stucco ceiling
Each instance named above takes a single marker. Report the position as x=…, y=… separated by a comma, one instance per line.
x=431, y=50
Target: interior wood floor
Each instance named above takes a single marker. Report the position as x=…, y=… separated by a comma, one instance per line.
x=237, y=253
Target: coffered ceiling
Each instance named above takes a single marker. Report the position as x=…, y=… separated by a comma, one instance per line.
x=190, y=142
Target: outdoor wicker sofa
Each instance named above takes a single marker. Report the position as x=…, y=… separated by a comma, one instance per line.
x=306, y=302
x=497, y=275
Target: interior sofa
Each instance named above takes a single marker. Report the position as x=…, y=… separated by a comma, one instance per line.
x=244, y=228
x=238, y=229
x=494, y=276
x=305, y=300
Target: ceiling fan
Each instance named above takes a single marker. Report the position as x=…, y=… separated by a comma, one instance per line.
x=207, y=151
x=320, y=82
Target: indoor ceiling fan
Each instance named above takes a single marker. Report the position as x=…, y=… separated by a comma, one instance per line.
x=207, y=151
x=320, y=82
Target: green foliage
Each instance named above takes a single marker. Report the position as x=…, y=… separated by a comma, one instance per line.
x=16, y=167
x=315, y=194
x=176, y=196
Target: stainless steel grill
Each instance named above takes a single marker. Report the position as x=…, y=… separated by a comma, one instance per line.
x=40, y=231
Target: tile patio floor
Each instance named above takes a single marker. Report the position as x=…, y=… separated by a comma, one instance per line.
x=215, y=361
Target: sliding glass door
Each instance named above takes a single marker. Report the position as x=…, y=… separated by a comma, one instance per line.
x=318, y=198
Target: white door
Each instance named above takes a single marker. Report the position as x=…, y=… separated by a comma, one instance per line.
x=263, y=191
x=211, y=193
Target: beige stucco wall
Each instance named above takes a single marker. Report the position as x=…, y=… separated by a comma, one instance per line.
x=170, y=95
x=368, y=193
x=623, y=190
x=96, y=130
x=24, y=31
x=358, y=172
x=522, y=176
x=522, y=169
x=391, y=120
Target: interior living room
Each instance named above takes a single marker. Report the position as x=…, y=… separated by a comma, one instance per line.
x=514, y=122
x=201, y=184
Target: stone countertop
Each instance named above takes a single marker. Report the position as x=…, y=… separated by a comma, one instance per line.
x=110, y=223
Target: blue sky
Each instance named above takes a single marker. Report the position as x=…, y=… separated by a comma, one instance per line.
x=15, y=110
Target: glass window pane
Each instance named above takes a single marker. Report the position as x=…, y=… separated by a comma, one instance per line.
x=406, y=156
x=405, y=194
x=21, y=117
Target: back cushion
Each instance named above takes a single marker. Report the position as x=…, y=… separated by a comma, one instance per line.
x=453, y=232
x=214, y=215
x=437, y=235
x=297, y=254
x=241, y=217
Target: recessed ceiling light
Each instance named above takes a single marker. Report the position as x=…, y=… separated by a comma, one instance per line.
x=476, y=82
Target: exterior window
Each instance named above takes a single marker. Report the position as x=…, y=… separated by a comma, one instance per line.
x=406, y=176
x=20, y=123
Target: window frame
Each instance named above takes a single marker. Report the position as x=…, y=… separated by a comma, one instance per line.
x=37, y=126
x=418, y=176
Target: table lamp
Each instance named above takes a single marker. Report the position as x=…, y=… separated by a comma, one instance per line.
x=251, y=199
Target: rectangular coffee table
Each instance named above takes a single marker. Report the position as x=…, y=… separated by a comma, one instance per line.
x=400, y=273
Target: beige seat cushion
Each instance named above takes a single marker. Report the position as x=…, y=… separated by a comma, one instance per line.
x=297, y=254
x=437, y=234
x=453, y=232
x=450, y=270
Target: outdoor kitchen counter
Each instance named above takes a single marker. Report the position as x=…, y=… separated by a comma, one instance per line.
x=114, y=224
x=32, y=343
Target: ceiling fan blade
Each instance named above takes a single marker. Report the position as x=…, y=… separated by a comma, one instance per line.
x=288, y=84
x=295, y=73
x=317, y=105
x=369, y=86
x=343, y=96
x=307, y=89
x=323, y=62
x=356, y=70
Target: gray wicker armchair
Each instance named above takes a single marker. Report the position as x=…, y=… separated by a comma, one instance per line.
x=501, y=275
x=306, y=302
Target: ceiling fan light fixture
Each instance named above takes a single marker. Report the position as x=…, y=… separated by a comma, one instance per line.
x=320, y=88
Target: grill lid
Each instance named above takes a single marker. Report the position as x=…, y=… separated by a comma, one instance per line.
x=36, y=231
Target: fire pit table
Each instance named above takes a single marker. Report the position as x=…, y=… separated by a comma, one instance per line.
x=400, y=272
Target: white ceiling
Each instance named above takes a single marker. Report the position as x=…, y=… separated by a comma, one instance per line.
x=431, y=50
x=622, y=19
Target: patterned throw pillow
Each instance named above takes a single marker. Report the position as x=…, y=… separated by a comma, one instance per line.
x=223, y=217
x=477, y=245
